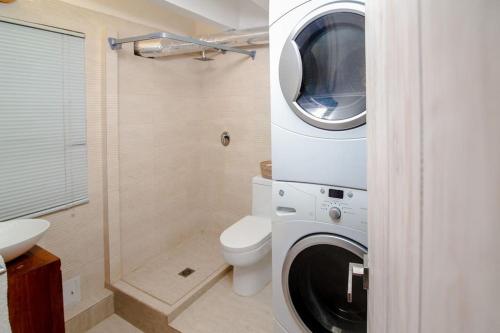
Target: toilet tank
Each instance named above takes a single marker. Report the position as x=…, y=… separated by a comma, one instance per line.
x=261, y=196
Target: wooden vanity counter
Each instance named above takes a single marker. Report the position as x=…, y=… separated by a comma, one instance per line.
x=35, y=293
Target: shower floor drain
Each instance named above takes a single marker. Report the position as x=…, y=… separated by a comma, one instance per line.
x=186, y=272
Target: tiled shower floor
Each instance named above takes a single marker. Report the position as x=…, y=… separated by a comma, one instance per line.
x=159, y=277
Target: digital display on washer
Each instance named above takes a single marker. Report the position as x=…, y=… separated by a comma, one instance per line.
x=337, y=194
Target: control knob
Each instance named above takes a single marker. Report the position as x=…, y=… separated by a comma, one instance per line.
x=335, y=213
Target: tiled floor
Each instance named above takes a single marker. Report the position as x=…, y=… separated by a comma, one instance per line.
x=217, y=310
x=114, y=324
x=159, y=277
x=220, y=310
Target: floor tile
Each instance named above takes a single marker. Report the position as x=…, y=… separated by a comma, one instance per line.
x=114, y=324
x=222, y=311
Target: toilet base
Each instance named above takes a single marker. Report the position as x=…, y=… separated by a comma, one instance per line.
x=249, y=280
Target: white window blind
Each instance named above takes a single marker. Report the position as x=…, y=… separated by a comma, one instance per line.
x=43, y=150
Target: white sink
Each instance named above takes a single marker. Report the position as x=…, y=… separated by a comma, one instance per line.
x=19, y=236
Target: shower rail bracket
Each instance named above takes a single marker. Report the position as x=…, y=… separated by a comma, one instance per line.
x=113, y=44
x=116, y=43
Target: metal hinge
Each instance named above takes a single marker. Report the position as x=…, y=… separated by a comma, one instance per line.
x=358, y=270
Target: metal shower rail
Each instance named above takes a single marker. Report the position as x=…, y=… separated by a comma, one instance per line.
x=116, y=43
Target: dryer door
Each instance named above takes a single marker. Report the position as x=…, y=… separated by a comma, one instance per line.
x=322, y=67
x=315, y=281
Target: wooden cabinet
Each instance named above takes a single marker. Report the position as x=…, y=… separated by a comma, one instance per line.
x=35, y=293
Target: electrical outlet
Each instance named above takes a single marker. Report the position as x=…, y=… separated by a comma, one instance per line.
x=71, y=291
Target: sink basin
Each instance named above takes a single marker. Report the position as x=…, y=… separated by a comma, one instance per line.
x=19, y=236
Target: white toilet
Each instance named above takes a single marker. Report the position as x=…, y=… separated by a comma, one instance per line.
x=247, y=244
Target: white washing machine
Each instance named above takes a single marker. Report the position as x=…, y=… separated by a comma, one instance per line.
x=318, y=231
x=318, y=92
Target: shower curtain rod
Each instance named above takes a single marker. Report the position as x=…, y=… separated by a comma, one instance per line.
x=116, y=43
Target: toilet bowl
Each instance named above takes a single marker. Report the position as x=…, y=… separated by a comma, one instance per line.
x=246, y=245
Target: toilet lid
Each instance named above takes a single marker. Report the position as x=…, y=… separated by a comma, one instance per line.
x=247, y=234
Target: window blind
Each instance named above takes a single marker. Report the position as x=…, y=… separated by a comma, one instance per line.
x=43, y=148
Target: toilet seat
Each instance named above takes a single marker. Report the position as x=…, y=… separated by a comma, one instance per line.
x=249, y=233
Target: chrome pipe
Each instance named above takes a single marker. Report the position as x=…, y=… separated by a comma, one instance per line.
x=233, y=38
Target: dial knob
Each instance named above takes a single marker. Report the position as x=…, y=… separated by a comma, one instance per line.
x=335, y=213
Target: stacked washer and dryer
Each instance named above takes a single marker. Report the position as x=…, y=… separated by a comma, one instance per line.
x=318, y=111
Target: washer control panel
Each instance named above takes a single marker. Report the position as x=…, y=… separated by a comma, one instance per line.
x=347, y=207
x=344, y=207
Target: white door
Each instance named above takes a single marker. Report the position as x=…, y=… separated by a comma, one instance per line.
x=433, y=166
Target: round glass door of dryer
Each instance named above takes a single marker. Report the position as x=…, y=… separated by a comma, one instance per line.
x=315, y=281
x=323, y=70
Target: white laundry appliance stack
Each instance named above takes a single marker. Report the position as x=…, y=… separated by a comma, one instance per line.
x=318, y=112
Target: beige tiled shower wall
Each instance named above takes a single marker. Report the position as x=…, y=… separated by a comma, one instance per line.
x=77, y=235
x=159, y=155
x=175, y=176
x=234, y=98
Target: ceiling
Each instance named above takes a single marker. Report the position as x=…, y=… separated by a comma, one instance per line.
x=185, y=16
x=235, y=14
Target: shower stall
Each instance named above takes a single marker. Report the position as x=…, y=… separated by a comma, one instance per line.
x=178, y=186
